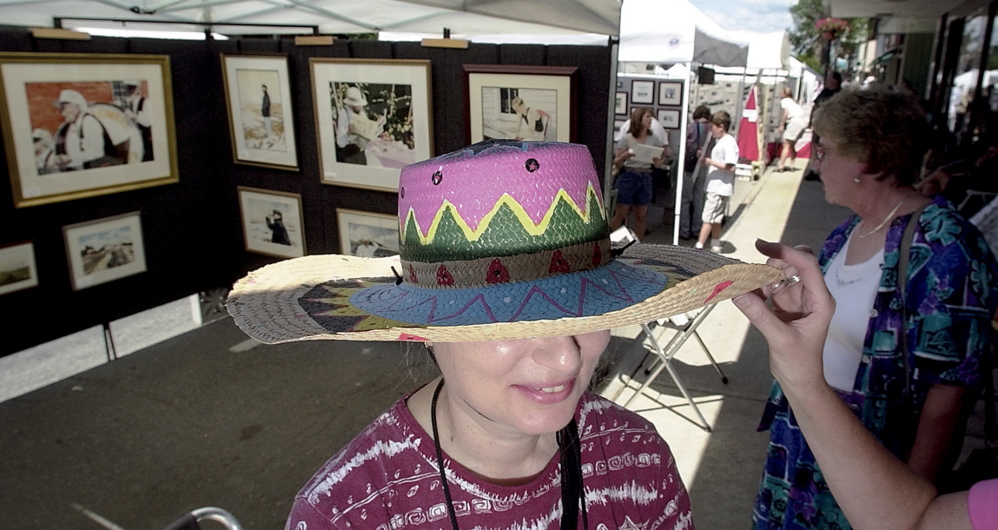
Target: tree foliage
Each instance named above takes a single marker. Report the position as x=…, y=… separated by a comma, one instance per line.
x=808, y=44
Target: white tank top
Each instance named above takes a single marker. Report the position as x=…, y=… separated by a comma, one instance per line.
x=854, y=288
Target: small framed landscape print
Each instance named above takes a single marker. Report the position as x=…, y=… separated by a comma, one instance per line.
x=643, y=92
x=79, y=125
x=534, y=103
x=373, y=117
x=620, y=104
x=17, y=267
x=261, y=117
x=366, y=234
x=105, y=250
x=670, y=93
x=669, y=118
x=272, y=222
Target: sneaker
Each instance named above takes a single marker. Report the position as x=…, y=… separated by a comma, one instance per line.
x=716, y=249
x=698, y=245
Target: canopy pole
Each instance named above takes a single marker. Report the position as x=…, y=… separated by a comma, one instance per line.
x=611, y=146
x=683, y=124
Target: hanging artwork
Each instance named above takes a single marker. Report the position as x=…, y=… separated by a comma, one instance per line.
x=78, y=125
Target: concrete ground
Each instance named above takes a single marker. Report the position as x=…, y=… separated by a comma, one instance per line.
x=210, y=418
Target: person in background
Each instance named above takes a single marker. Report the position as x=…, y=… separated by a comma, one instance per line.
x=872, y=487
x=694, y=184
x=634, y=181
x=833, y=83
x=906, y=364
x=792, y=126
x=720, y=180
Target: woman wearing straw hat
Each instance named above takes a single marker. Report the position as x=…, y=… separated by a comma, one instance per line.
x=506, y=273
x=354, y=128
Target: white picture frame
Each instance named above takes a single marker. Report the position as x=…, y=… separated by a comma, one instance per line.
x=273, y=224
x=367, y=234
x=620, y=104
x=670, y=93
x=259, y=139
x=642, y=92
x=18, y=270
x=104, y=250
x=397, y=117
x=669, y=118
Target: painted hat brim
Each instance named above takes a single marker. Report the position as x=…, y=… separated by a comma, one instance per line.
x=265, y=303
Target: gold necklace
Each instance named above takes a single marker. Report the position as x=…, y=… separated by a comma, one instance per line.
x=890, y=216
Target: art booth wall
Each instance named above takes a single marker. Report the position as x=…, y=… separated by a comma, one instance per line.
x=192, y=230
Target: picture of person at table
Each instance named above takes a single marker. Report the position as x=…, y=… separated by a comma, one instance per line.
x=354, y=129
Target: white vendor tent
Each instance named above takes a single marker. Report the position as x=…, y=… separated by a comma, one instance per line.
x=329, y=16
x=671, y=32
x=675, y=31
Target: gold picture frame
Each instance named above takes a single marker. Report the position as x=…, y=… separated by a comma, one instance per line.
x=80, y=125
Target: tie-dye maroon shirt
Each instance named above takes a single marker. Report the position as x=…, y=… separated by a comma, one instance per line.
x=387, y=479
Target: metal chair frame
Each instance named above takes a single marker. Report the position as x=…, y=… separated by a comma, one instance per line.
x=666, y=354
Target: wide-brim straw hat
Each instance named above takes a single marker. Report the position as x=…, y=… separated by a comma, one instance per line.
x=500, y=240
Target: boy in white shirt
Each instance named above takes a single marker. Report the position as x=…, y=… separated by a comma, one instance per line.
x=720, y=180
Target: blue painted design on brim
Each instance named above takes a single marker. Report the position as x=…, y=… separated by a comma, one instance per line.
x=594, y=292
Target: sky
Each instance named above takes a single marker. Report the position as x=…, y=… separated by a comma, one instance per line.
x=753, y=15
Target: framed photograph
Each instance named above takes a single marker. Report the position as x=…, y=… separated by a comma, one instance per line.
x=617, y=124
x=272, y=222
x=366, y=234
x=78, y=125
x=105, y=250
x=643, y=92
x=669, y=118
x=17, y=267
x=261, y=116
x=373, y=117
x=520, y=102
x=620, y=104
x=670, y=93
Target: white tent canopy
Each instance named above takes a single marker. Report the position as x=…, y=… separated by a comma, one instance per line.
x=675, y=31
x=332, y=16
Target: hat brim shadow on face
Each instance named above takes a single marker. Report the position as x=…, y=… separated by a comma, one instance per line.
x=299, y=300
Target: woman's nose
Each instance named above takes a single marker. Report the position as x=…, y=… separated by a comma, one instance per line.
x=557, y=353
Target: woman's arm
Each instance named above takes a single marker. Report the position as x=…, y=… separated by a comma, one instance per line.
x=873, y=488
x=940, y=424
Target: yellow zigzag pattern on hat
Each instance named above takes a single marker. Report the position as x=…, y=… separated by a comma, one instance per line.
x=521, y=214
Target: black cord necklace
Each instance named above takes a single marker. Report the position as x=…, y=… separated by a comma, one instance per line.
x=572, y=491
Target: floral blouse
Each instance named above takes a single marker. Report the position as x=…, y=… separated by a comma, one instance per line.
x=949, y=305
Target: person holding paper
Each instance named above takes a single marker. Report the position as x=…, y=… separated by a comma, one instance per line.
x=635, y=160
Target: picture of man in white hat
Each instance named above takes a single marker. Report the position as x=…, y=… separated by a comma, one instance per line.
x=354, y=128
x=81, y=142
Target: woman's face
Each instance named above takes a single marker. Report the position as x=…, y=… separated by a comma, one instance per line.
x=838, y=172
x=646, y=121
x=528, y=386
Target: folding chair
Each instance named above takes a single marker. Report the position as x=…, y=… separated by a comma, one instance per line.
x=684, y=329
